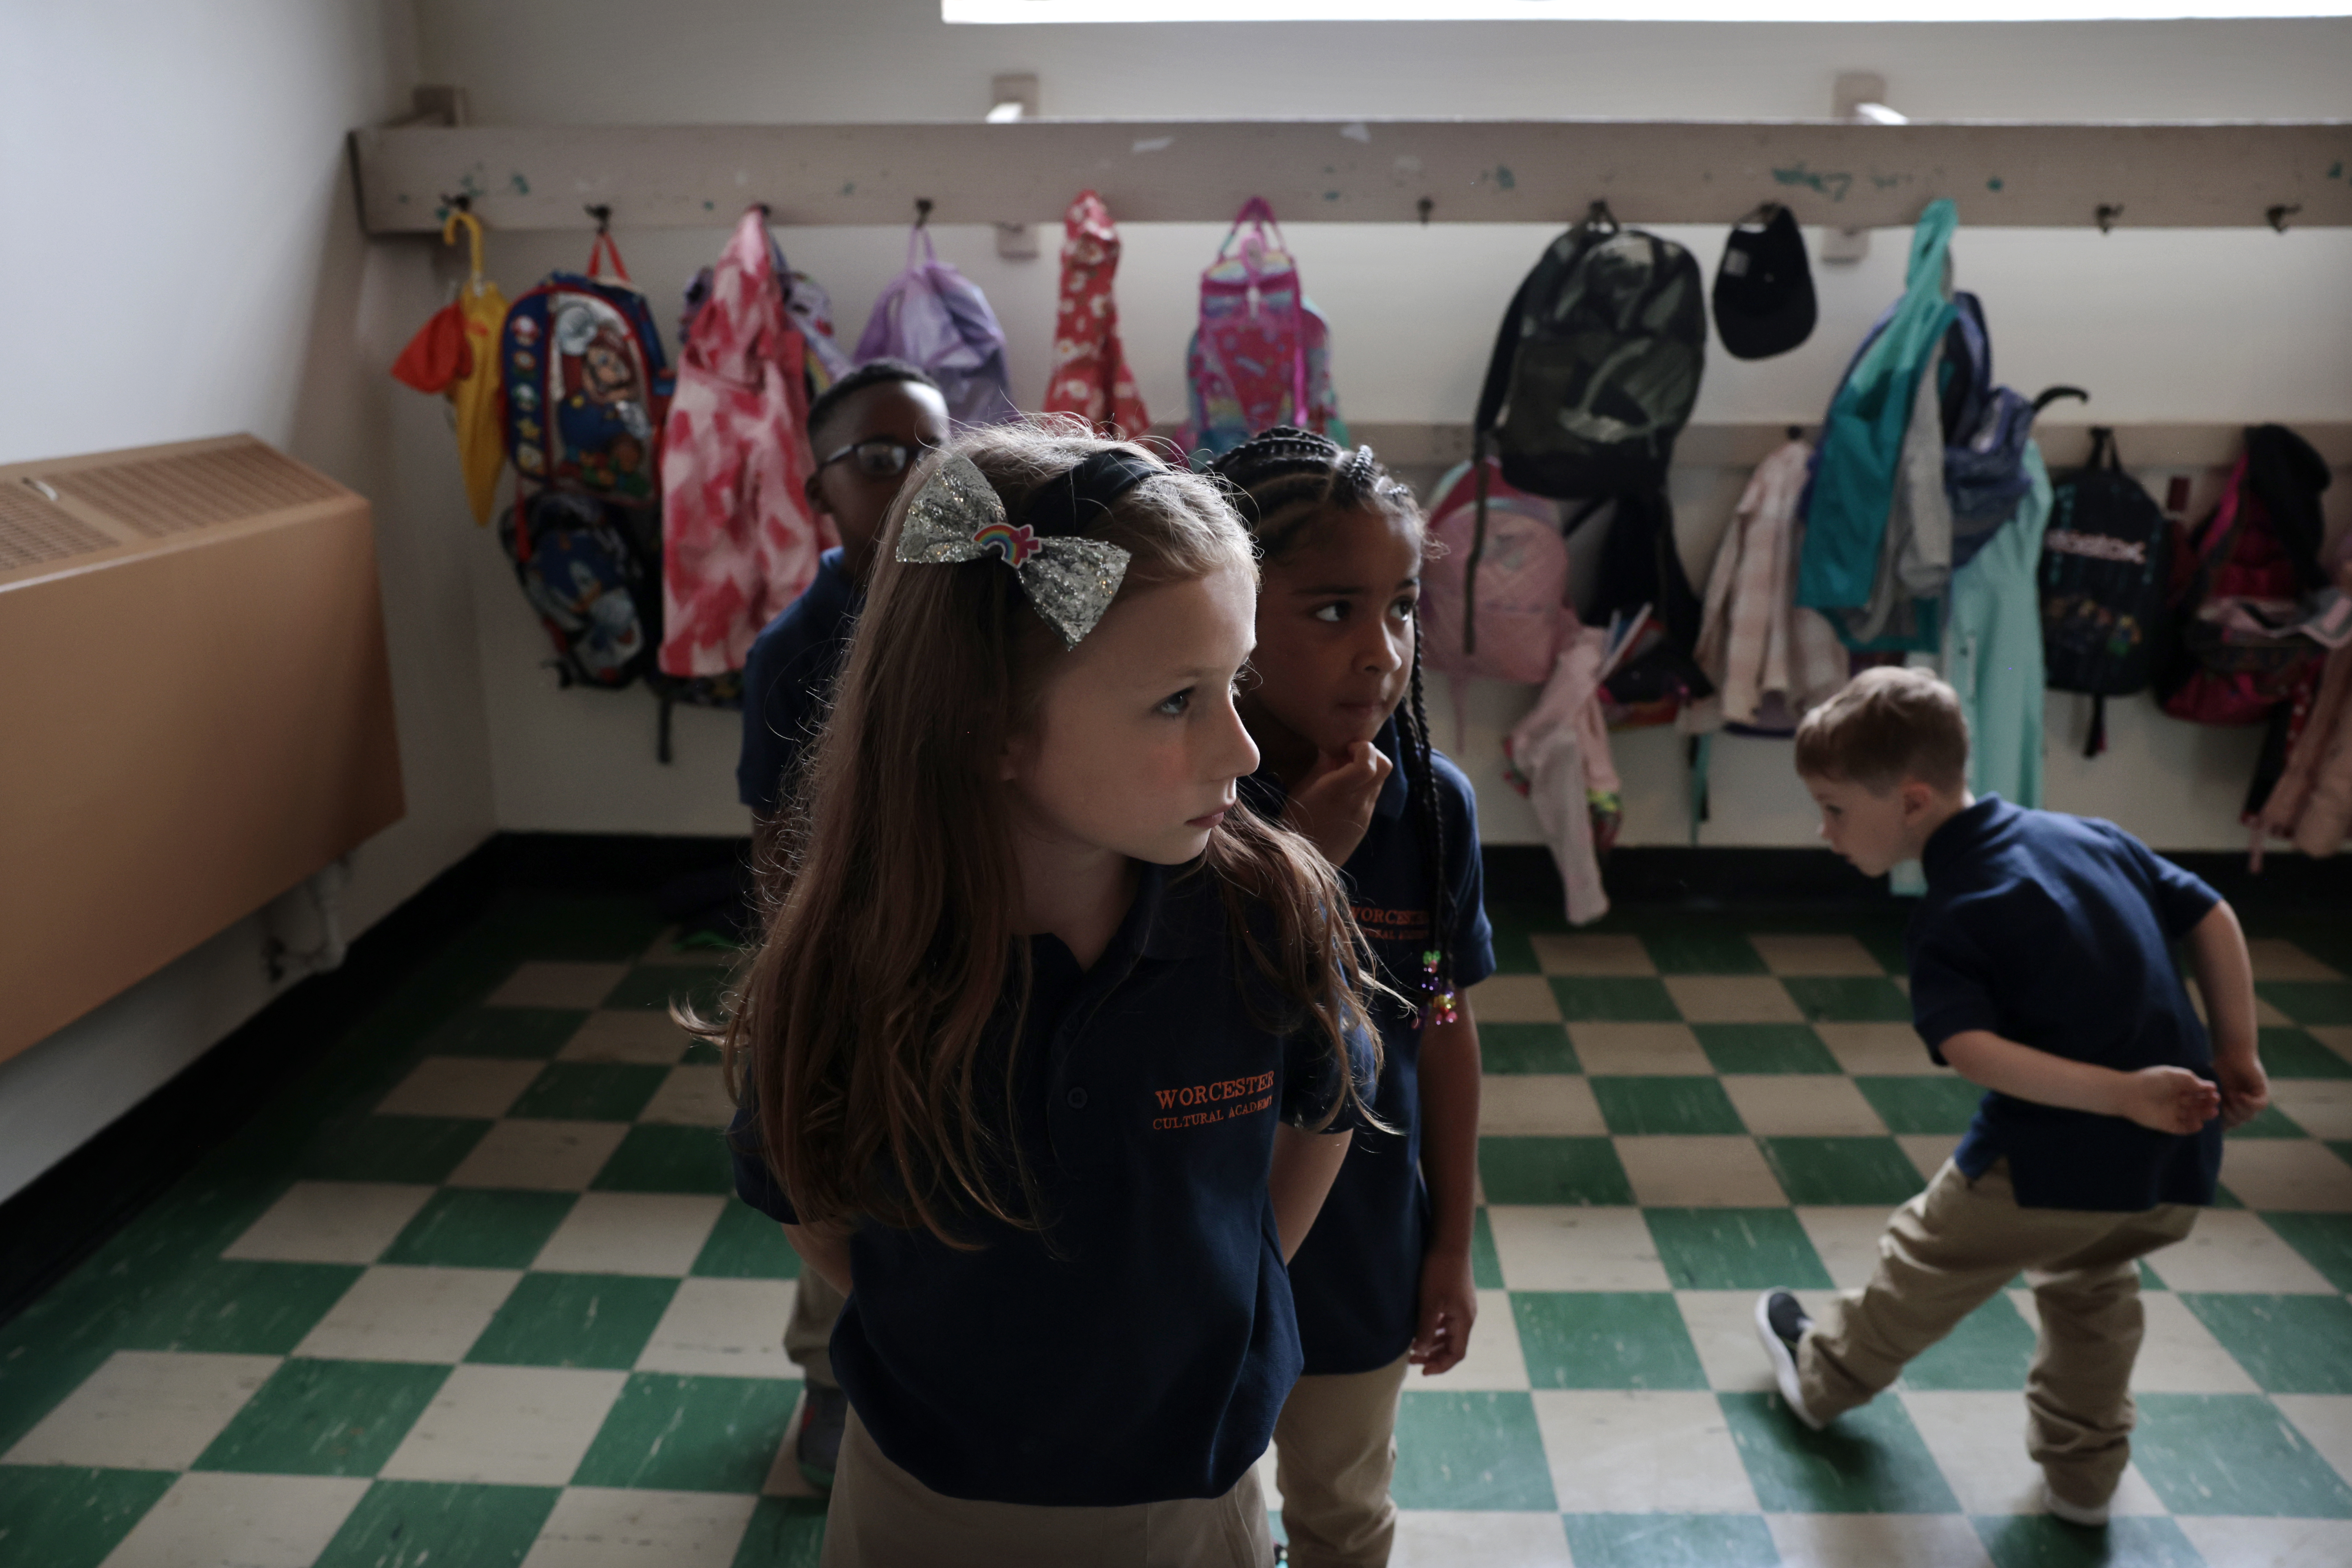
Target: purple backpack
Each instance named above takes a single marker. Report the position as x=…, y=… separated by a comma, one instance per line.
x=933, y=316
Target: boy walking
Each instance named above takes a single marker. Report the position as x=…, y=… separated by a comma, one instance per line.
x=2040, y=968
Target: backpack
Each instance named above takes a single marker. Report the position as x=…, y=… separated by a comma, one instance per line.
x=936, y=319
x=1644, y=599
x=587, y=390
x=2105, y=571
x=1262, y=354
x=1986, y=428
x=1522, y=580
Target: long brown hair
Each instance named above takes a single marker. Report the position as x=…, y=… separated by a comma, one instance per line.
x=889, y=962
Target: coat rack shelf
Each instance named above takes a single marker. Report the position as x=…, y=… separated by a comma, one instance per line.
x=1833, y=173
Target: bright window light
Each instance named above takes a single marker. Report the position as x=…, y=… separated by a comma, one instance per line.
x=1041, y=11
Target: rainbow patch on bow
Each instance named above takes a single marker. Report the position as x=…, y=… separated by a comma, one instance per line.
x=1015, y=544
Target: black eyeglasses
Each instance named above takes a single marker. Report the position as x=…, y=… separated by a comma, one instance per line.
x=879, y=456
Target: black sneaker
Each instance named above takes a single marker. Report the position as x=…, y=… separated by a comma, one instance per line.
x=824, y=1414
x=1781, y=1323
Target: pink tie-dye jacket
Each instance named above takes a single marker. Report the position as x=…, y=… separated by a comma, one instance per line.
x=739, y=539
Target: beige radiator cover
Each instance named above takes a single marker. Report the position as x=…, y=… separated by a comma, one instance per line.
x=195, y=709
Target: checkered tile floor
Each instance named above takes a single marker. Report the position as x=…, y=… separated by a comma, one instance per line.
x=474, y=1292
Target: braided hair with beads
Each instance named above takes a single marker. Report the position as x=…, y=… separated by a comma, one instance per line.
x=1281, y=481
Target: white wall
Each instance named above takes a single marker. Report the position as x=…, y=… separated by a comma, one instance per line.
x=2185, y=325
x=186, y=261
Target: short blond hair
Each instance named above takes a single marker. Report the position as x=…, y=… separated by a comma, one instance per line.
x=1887, y=725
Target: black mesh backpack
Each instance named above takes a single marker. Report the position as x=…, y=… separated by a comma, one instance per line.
x=2106, y=568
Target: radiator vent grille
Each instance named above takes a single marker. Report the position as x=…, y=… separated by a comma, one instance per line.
x=171, y=495
x=34, y=529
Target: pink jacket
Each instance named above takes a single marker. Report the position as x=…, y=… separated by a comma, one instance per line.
x=2312, y=802
x=739, y=539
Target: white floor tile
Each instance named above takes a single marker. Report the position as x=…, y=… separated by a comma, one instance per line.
x=331, y=1222
x=217, y=1520
x=1876, y=1540
x=1978, y=1442
x=1571, y=1249
x=2336, y=1037
x=2233, y=1249
x=1794, y=954
x=544, y=985
x=544, y=1156
x=1847, y=1240
x=1494, y=1361
x=2325, y=1421
x=1515, y=999
x=1682, y=1172
x=1722, y=1325
x=1802, y=1105
x=1540, y=1105
x=2276, y=958
x=636, y=1035
x=1877, y=1050
x=2268, y=1542
x=459, y=1086
x=785, y=1477
x=631, y=1233
x=513, y=1426
x=1597, y=954
x=1927, y=1151
x=1635, y=1050
x=397, y=1313
x=691, y=1097
x=144, y=1410
x=595, y=1527
x=1427, y=1538
x=1619, y=1450
x=723, y=1327
x=2320, y=1106
x=2179, y=1355
x=1733, y=999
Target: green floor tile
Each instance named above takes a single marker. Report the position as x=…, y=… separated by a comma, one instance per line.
x=657, y=986
x=1613, y=999
x=236, y=1306
x=63, y=1516
x=2288, y=1344
x=702, y=1054
x=1989, y=1348
x=2291, y=1053
x=2309, y=1002
x=2232, y=1455
x=2223, y=1198
x=747, y=1245
x=2270, y=1122
x=1470, y=1451
x=1849, y=998
x=1513, y=954
x=585, y=930
x=1702, y=952
x=440, y=1524
x=1921, y=1102
x=2039, y=1540
x=690, y=1434
x=421, y=1150
x=1670, y=1540
x=575, y=1320
x=784, y=1532
x=659, y=1159
x=1870, y=1460
x=1552, y=1171
x=1884, y=942
x=1765, y=1047
x=1486, y=1264
x=1689, y=1105
x=590, y=1092
x=1524, y=1047
x=1605, y=1339
x=2323, y=1239
x=1842, y=1170
x=535, y=1033
x=1735, y=1249
x=325, y=1418
x=460, y=1228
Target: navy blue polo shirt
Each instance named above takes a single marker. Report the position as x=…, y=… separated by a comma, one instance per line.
x=787, y=677
x=1356, y=1278
x=2056, y=931
x=1140, y=1348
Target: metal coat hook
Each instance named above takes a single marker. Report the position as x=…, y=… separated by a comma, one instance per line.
x=1796, y=432
x=2051, y=394
x=922, y=211
x=1599, y=213
x=2280, y=214
x=2106, y=214
x=602, y=212
x=460, y=203
x=1425, y=207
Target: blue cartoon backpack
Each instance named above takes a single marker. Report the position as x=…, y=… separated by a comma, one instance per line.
x=587, y=389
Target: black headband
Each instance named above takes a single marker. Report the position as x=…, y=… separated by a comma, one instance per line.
x=1068, y=504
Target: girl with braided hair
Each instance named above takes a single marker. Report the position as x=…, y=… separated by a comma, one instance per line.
x=1383, y=1281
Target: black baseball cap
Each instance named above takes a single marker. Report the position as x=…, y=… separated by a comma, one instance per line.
x=1763, y=290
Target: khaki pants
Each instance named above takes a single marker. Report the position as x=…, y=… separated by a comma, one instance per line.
x=808, y=1332
x=881, y=1517
x=1949, y=1251
x=1334, y=1452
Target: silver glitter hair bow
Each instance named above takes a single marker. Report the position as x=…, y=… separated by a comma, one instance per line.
x=958, y=516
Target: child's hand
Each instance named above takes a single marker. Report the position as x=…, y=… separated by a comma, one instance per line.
x=1449, y=1305
x=2170, y=1100
x=1333, y=803
x=2245, y=1087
